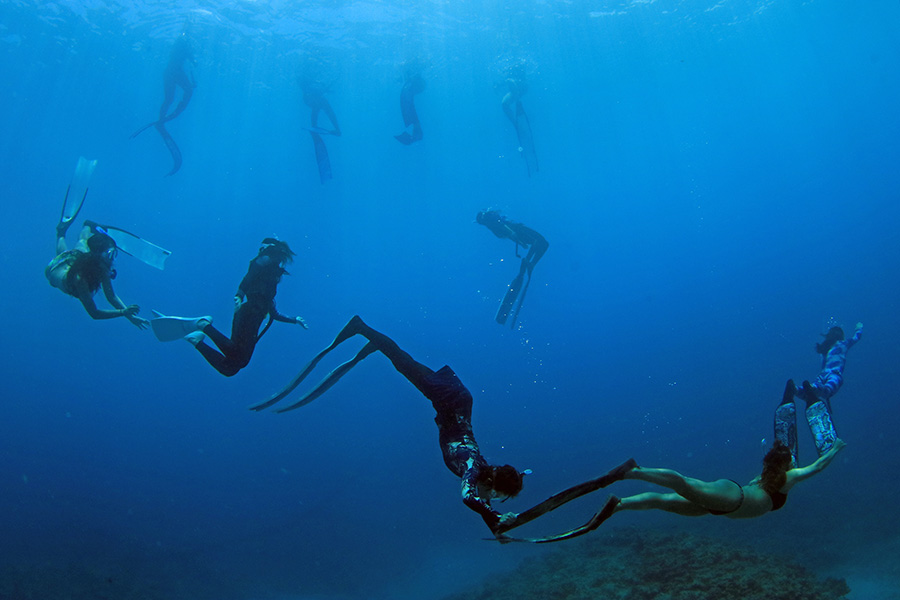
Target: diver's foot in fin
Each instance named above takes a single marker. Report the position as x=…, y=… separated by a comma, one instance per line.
x=790, y=390
x=618, y=473
x=808, y=393
x=609, y=509
x=406, y=138
x=195, y=338
x=62, y=227
x=353, y=327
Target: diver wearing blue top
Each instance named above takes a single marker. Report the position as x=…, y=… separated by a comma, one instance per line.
x=830, y=379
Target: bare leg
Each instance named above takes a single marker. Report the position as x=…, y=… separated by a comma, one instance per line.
x=721, y=495
x=672, y=503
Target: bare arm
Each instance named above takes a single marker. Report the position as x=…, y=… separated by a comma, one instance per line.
x=795, y=476
x=129, y=312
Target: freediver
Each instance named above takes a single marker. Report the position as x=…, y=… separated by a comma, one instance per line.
x=818, y=394
x=412, y=84
x=314, y=98
x=253, y=302
x=178, y=74
x=523, y=236
x=511, y=103
x=85, y=269
x=481, y=482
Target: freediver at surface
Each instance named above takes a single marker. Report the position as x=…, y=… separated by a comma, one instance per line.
x=314, y=98
x=82, y=271
x=412, y=84
x=254, y=301
x=178, y=74
x=818, y=394
x=523, y=236
x=511, y=103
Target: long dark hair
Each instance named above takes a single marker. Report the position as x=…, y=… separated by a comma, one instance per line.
x=776, y=463
x=94, y=266
x=505, y=480
x=834, y=335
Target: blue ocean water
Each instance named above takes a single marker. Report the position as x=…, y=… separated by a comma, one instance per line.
x=715, y=184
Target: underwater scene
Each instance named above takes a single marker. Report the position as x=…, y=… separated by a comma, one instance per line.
x=576, y=299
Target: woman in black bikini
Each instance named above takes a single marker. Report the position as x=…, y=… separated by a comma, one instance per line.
x=694, y=498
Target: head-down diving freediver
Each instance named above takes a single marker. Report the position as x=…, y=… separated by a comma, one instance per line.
x=481, y=482
x=522, y=236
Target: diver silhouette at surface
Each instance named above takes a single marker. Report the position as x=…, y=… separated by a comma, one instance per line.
x=412, y=84
x=511, y=103
x=177, y=75
x=527, y=238
x=314, y=98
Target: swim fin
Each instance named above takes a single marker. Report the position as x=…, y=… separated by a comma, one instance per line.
x=171, y=145
x=322, y=159
x=506, y=306
x=169, y=329
x=138, y=247
x=593, y=523
x=77, y=191
x=526, y=140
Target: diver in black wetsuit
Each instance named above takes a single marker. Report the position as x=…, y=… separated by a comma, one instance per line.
x=451, y=400
x=175, y=76
x=412, y=84
x=254, y=301
x=523, y=236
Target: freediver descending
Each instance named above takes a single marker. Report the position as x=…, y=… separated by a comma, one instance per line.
x=253, y=302
x=512, y=107
x=452, y=401
x=177, y=75
x=412, y=84
x=314, y=98
x=523, y=236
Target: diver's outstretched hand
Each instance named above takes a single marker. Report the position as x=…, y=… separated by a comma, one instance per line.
x=301, y=322
x=130, y=312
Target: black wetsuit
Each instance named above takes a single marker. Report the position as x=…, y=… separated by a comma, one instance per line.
x=522, y=235
x=258, y=290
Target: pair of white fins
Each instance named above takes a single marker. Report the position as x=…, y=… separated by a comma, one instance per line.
x=166, y=328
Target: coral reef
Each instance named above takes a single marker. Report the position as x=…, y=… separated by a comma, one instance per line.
x=636, y=564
